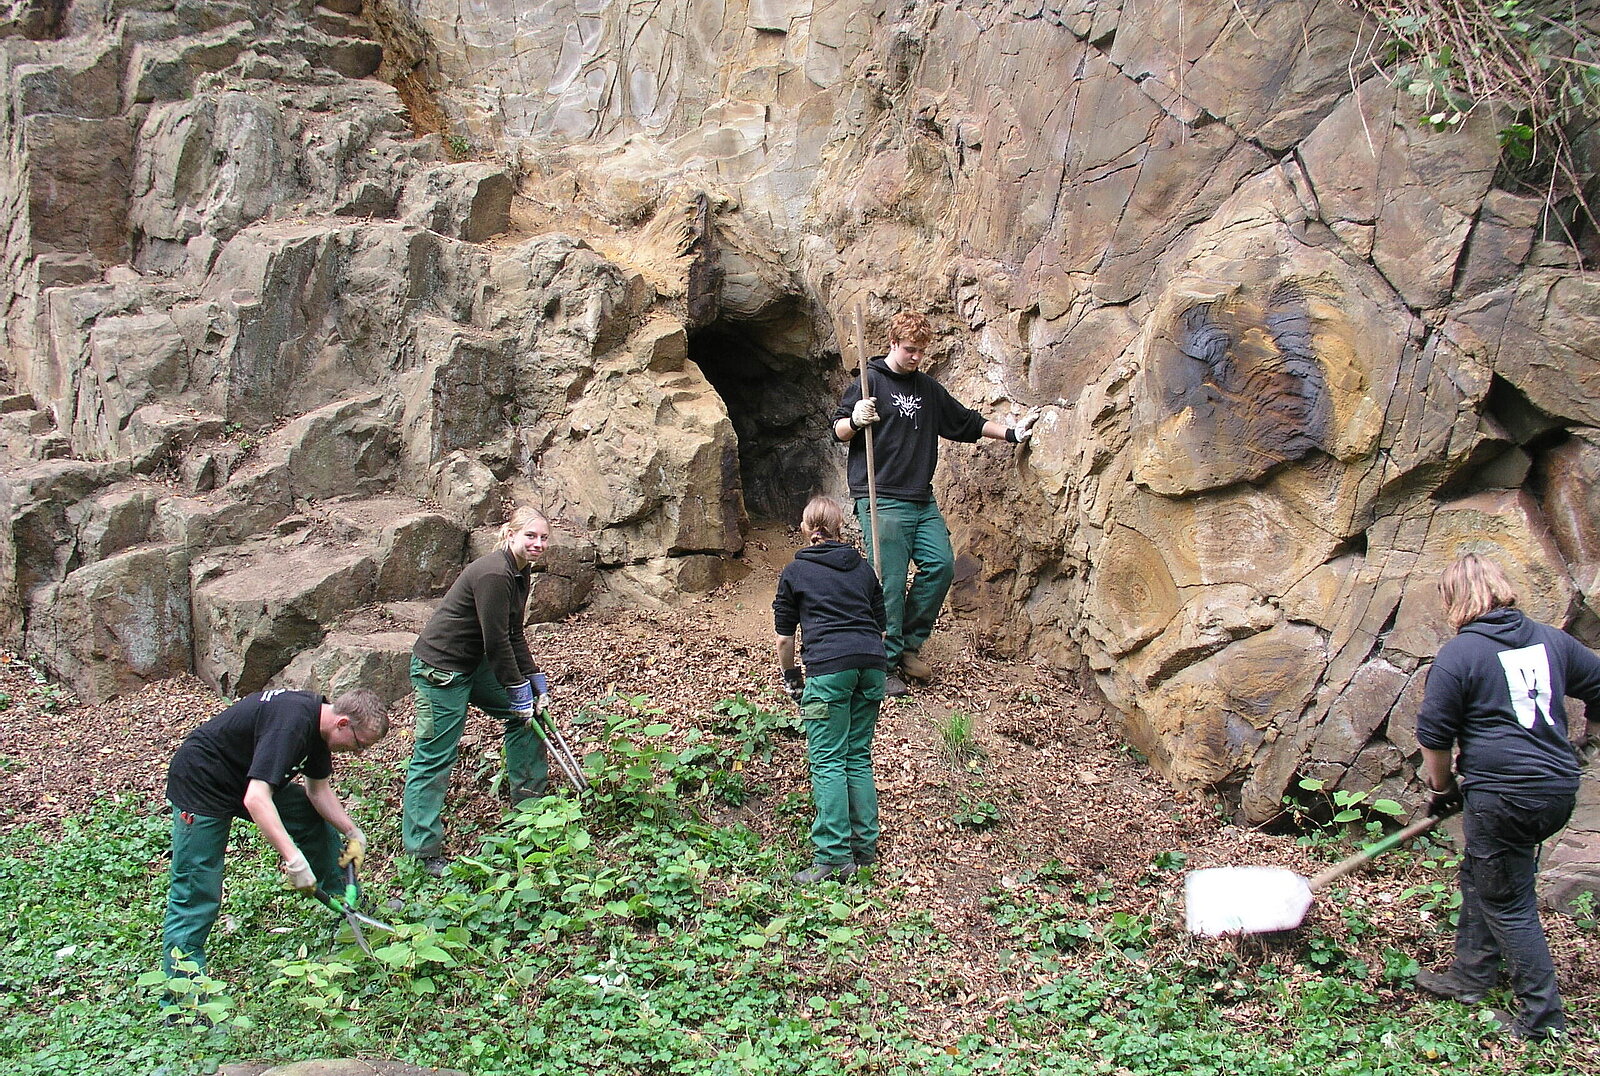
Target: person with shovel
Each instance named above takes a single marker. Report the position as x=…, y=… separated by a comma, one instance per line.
x=473, y=651
x=243, y=764
x=832, y=596
x=1493, y=700
x=908, y=412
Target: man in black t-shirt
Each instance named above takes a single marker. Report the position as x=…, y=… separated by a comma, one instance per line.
x=243, y=764
x=909, y=412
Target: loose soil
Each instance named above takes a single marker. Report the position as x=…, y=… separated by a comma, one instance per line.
x=1073, y=801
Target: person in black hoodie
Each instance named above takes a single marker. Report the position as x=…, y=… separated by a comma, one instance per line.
x=473, y=651
x=831, y=594
x=1494, y=700
x=906, y=428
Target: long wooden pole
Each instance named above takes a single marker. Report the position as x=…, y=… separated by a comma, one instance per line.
x=872, y=472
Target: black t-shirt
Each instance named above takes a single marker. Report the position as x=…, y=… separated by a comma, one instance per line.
x=270, y=736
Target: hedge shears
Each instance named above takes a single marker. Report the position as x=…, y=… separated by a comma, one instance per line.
x=345, y=904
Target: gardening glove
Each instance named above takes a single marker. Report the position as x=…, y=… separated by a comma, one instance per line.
x=355, y=849
x=864, y=413
x=1024, y=429
x=520, y=697
x=298, y=871
x=1446, y=802
x=541, y=691
x=794, y=682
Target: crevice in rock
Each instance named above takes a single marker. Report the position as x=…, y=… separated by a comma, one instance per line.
x=1380, y=640
x=408, y=66
x=1524, y=423
x=777, y=395
x=1538, y=481
x=1355, y=545
x=1585, y=627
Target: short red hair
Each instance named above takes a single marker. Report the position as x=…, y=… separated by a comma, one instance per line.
x=910, y=327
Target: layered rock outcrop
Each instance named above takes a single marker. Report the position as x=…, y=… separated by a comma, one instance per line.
x=1296, y=350
x=269, y=372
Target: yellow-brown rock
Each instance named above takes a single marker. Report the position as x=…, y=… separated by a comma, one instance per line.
x=1294, y=350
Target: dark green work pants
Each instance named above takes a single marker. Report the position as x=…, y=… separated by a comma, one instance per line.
x=198, y=845
x=841, y=714
x=442, y=701
x=909, y=533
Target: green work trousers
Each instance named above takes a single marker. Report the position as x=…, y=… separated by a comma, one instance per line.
x=909, y=533
x=198, y=844
x=841, y=714
x=442, y=700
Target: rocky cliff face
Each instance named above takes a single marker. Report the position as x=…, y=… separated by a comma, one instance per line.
x=301, y=292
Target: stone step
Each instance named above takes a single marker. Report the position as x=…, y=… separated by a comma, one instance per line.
x=372, y=649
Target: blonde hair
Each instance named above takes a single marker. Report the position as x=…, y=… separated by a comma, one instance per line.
x=1473, y=586
x=822, y=519
x=910, y=327
x=520, y=519
x=367, y=713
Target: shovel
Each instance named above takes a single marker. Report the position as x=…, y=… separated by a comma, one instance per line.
x=872, y=467
x=1260, y=900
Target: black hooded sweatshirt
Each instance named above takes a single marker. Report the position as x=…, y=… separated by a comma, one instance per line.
x=914, y=411
x=830, y=592
x=1497, y=689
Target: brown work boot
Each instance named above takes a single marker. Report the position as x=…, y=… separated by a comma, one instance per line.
x=914, y=668
x=894, y=687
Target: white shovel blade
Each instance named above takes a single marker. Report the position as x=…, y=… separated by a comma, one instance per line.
x=1244, y=900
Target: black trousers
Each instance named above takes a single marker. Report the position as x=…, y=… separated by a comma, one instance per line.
x=1499, y=909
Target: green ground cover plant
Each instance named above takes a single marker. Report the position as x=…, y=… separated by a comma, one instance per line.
x=642, y=932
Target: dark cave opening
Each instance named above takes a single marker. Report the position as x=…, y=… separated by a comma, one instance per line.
x=777, y=393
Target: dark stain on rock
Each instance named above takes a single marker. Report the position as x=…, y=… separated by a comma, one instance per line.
x=1253, y=380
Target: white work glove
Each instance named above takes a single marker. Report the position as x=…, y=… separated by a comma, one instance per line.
x=355, y=849
x=299, y=872
x=1024, y=429
x=864, y=413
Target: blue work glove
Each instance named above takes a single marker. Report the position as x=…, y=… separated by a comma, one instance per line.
x=521, y=698
x=541, y=688
x=794, y=682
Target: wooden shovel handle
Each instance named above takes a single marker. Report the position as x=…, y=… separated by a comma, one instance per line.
x=1372, y=851
x=872, y=466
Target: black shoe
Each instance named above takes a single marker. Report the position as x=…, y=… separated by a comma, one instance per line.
x=825, y=872
x=1444, y=984
x=894, y=687
x=187, y=1017
x=1543, y=1034
x=434, y=865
